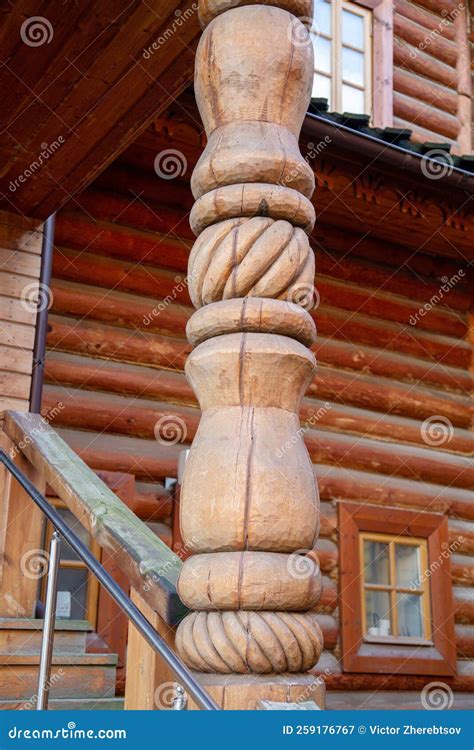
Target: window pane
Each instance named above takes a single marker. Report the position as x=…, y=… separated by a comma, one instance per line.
x=407, y=563
x=75, y=582
x=352, y=100
x=67, y=553
x=376, y=566
x=322, y=87
x=322, y=17
x=377, y=613
x=322, y=53
x=353, y=66
x=410, y=622
x=352, y=29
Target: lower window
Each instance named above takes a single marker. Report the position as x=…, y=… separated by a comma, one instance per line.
x=396, y=601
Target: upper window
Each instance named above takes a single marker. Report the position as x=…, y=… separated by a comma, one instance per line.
x=397, y=612
x=342, y=41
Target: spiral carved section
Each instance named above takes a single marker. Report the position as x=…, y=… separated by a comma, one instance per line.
x=256, y=257
x=249, y=642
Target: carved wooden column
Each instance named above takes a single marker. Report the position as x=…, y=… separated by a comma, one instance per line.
x=249, y=500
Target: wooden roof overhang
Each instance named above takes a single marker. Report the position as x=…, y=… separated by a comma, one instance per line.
x=78, y=83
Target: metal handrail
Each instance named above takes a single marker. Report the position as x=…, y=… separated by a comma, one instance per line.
x=179, y=669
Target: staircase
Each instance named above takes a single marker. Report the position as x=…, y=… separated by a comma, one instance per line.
x=79, y=680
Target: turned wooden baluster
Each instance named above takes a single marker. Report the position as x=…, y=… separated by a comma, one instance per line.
x=249, y=499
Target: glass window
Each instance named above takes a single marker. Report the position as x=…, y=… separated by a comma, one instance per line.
x=394, y=590
x=341, y=36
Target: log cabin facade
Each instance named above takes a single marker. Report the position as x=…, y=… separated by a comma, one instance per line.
x=387, y=419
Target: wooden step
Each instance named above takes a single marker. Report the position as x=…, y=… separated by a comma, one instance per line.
x=72, y=676
x=67, y=704
x=23, y=636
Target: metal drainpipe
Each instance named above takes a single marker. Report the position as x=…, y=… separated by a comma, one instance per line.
x=39, y=348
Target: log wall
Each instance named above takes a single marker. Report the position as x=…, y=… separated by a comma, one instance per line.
x=389, y=360
x=431, y=78
x=20, y=259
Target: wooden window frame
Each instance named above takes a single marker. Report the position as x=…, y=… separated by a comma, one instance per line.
x=92, y=595
x=396, y=656
x=378, y=63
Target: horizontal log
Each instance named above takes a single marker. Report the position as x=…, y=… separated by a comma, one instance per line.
x=410, y=58
x=441, y=7
x=149, y=502
x=388, y=458
x=337, y=483
x=150, y=566
x=461, y=534
x=425, y=18
x=420, y=38
x=112, y=413
x=328, y=600
x=421, y=135
x=429, y=92
x=347, y=255
x=328, y=520
x=136, y=312
x=113, y=240
x=328, y=555
x=386, y=306
x=100, y=340
x=373, y=393
x=87, y=268
x=390, y=364
x=336, y=680
x=463, y=598
x=465, y=640
x=425, y=116
x=330, y=628
x=462, y=569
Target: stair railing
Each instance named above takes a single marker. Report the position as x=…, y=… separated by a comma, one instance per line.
x=35, y=439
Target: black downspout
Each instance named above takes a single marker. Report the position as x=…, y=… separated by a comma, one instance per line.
x=44, y=303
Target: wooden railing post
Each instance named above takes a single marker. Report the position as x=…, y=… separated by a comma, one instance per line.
x=249, y=504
